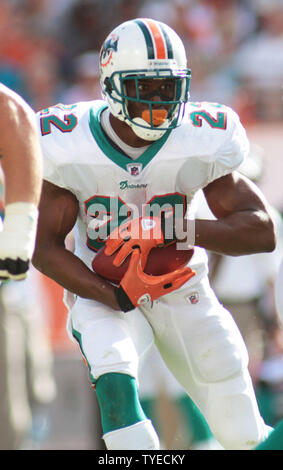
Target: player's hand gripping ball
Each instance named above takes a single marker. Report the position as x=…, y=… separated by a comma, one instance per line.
x=112, y=260
x=143, y=233
x=138, y=289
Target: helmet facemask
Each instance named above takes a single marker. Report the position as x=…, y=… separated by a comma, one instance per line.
x=158, y=116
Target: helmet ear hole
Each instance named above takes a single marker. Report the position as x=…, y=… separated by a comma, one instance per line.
x=108, y=85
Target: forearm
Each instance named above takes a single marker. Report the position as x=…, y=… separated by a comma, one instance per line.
x=20, y=153
x=72, y=274
x=240, y=233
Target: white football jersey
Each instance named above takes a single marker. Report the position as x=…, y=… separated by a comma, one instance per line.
x=110, y=186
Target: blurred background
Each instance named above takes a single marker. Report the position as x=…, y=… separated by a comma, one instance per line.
x=49, y=54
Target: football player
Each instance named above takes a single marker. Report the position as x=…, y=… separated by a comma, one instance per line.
x=107, y=165
x=21, y=168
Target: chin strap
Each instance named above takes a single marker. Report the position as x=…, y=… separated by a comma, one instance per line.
x=145, y=132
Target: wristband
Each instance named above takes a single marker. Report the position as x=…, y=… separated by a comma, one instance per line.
x=27, y=212
x=123, y=300
x=19, y=230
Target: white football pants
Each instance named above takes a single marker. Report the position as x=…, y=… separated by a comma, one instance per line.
x=201, y=345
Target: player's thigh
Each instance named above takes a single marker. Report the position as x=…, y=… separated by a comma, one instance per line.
x=199, y=339
x=203, y=347
x=110, y=341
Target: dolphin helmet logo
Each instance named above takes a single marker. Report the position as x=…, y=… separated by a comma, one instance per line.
x=109, y=46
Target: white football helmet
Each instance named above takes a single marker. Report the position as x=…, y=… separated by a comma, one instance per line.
x=139, y=49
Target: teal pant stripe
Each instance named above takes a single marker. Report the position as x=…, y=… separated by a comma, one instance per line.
x=78, y=338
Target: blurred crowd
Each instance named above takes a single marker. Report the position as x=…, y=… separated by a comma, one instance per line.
x=49, y=53
x=234, y=48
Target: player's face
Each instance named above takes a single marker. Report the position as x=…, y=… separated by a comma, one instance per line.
x=154, y=90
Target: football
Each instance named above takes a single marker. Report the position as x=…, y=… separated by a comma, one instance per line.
x=160, y=261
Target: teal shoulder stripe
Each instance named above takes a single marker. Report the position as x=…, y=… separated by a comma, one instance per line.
x=111, y=152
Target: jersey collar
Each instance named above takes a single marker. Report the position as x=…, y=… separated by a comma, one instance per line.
x=113, y=152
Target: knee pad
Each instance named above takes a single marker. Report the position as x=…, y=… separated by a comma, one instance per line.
x=233, y=415
x=219, y=350
x=118, y=400
x=237, y=428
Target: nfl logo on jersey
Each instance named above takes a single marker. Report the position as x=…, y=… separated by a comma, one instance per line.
x=134, y=168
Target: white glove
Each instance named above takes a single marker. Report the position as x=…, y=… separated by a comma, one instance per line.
x=17, y=239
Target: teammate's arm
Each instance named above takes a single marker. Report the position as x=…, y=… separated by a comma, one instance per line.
x=58, y=212
x=21, y=166
x=20, y=153
x=243, y=225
